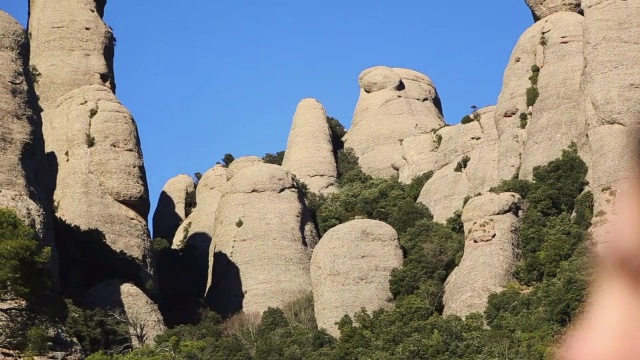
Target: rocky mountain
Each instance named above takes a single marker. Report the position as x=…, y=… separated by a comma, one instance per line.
x=323, y=252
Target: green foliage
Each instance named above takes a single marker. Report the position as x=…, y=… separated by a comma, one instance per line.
x=158, y=245
x=275, y=159
x=190, y=202
x=386, y=200
x=438, y=139
x=467, y=119
x=523, y=120
x=462, y=164
x=37, y=340
x=455, y=224
x=535, y=74
x=337, y=133
x=348, y=168
x=24, y=272
x=90, y=140
x=97, y=330
x=227, y=159
x=239, y=223
x=543, y=40
x=532, y=95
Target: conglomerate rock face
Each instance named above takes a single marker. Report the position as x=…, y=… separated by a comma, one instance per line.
x=350, y=270
x=310, y=154
x=261, y=242
x=491, y=223
x=611, y=92
x=544, y=8
x=394, y=104
x=22, y=175
x=173, y=206
x=463, y=159
x=130, y=304
x=100, y=180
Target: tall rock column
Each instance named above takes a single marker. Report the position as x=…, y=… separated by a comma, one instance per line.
x=21, y=143
x=612, y=88
x=309, y=155
x=491, y=223
x=176, y=200
x=394, y=104
x=100, y=180
x=261, y=241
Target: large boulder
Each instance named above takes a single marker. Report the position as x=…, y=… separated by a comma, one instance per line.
x=22, y=162
x=176, y=200
x=310, y=154
x=610, y=82
x=394, y=104
x=350, y=270
x=128, y=304
x=262, y=238
x=97, y=165
x=491, y=223
x=463, y=162
x=544, y=8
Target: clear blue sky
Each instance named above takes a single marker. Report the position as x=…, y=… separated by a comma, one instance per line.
x=203, y=78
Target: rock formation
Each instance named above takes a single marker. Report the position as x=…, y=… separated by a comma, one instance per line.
x=463, y=158
x=99, y=174
x=242, y=163
x=22, y=172
x=262, y=237
x=394, y=104
x=350, y=270
x=548, y=60
x=491, y=224
x=176, y=199
x=611, y=90
x=310, y=154
x=131, y=305
x=544, y=8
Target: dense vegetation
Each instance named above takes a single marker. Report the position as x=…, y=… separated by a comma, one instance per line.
x=524, y=320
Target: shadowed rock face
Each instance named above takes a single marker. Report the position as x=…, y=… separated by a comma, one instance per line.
x=491, y=223
x=22, y=174
x=143, y=316
x=100, y=175
x=309, y=155
x=350, y=270
x=544, y=8
x=394, y=104
x=172, y=206
x=264, y=233
x=611, y=89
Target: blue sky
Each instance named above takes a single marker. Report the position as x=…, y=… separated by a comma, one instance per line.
x=204, y=77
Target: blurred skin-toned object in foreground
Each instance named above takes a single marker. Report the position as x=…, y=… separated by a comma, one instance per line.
x=609, y=327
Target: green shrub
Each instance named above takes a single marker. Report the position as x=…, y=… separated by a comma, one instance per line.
x=239, y=223
x=90, y=141
x=532, y=96
x=467, y=119
x=275, y=159
x=227, y=159
x=38, y=341
x=438, y=139
x=462, y=164
x=523, y=120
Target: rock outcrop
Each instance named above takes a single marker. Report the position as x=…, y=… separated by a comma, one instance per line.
x=544, y=8
x=541, y=83
x=491, y=223
x=310, y=154
x=611, y=89
x=350, y=270
x=176, y=200
x=22, y=162
x=463, y=158
x=131, y=305
x=262, y=237
x=100, y=180
x=395, y=104
x=242, y=163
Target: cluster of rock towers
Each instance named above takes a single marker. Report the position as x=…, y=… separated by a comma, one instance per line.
x=70, y=151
